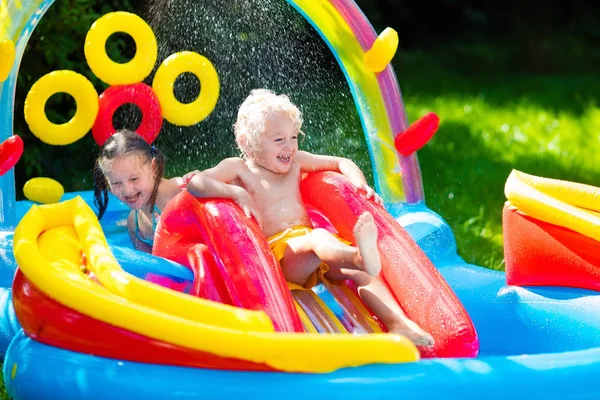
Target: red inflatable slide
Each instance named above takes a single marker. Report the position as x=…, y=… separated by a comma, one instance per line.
x=417, y=284
x=233, y=264
x=238, y=262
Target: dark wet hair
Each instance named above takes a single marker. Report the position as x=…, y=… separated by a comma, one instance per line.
x=122, y=143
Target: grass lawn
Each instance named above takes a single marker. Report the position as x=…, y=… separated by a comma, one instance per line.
x=546, y=125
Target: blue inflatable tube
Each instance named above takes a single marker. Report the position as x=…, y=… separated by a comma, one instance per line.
x=541, y=341
x=45, y=372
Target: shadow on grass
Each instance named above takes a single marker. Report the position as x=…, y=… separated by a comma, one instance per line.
x=430, y=76
x=464, y=182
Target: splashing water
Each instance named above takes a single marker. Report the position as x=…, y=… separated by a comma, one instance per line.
x=253, y=44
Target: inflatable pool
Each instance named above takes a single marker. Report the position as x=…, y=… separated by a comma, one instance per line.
x=86, y=316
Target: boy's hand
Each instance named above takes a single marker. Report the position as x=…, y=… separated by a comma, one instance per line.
x=188, y=177
x=370, y=193
x=243, y=199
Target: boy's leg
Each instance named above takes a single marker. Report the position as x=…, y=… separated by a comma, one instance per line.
x=305, y=254
x=378, y=298
x=336, y=254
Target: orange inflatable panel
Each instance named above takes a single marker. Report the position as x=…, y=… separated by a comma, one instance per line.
x=538, y=253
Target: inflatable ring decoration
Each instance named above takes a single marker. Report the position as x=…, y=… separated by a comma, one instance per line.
x=109, y=71
x=11, y=151
x=179, y=113
x=85, y=97
x=43, y=190
x=114, y=97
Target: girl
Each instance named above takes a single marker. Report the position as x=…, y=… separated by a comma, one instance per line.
x=133, y=171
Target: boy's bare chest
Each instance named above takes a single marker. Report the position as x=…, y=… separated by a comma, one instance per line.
x=273, y=186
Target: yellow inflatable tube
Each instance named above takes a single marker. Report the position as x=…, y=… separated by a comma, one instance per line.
x=67, y=284
x=571, y=205
x=61, y=244
x=75, y=213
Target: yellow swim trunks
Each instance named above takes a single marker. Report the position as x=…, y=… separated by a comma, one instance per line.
x=278, y=244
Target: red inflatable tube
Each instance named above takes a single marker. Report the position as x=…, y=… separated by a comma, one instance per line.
x=244, y=263
x=205, y=270
x=417, y=135
x=186, y=248
x=541, y=254
x=11, y=151
x=51, y=323
x=114, y=97
x=417, y=284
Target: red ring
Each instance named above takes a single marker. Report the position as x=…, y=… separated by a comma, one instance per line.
x=114, y=97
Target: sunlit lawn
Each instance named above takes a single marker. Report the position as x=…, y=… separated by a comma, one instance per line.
x=543, y=125
x=491, y=123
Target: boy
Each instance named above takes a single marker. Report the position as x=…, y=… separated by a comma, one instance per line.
x=266, y=132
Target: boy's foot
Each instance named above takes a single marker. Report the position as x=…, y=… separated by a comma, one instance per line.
x=365, y=232
x=412, y=331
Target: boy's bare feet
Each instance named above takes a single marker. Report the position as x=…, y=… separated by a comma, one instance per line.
x=412, y=331
x=365, y=232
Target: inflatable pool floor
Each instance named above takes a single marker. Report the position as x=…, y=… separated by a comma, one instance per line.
x=544, y=341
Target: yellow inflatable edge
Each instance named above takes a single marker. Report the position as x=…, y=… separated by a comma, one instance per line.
x=67, y=284
x=109, y=273
x=571, y=205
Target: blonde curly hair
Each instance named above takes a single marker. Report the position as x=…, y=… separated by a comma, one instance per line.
x=253, y=115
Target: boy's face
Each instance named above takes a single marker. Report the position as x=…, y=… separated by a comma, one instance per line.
x=278, y=145
x=131, y=179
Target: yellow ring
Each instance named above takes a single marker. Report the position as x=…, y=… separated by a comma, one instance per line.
x=85, y=97
x=179, y=113
x=113, y=73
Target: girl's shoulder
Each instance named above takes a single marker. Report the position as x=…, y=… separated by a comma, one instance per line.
x=167, y=189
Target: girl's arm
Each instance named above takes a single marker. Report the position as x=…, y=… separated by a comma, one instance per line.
x=137, y=243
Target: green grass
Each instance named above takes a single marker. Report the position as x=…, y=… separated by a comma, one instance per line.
x=3, y=394
x=490, y=123
x=546, y=125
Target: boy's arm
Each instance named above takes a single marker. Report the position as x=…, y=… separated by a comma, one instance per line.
x=205, y=187
x=226, y=171
x=314, y=162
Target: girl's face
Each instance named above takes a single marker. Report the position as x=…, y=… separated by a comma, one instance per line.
x=131, y=178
